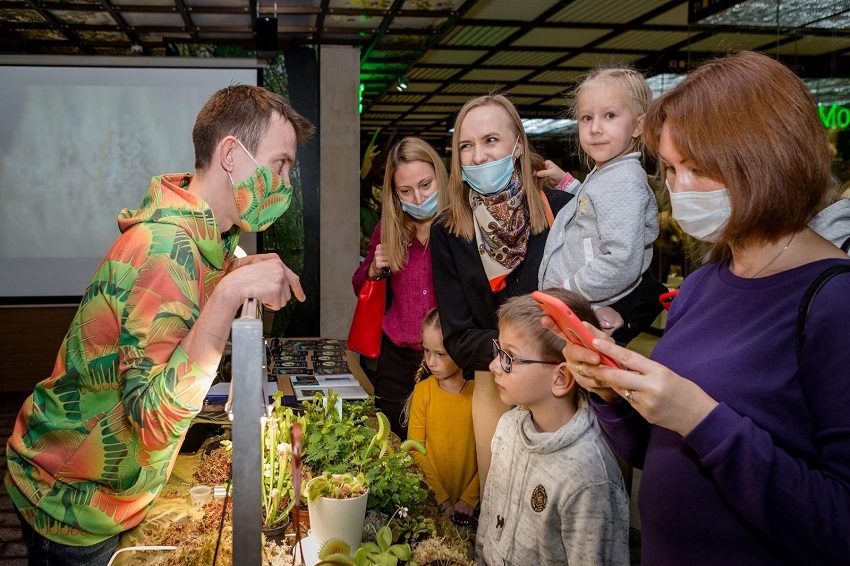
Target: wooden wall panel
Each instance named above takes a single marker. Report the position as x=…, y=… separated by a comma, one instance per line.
x=29, y=340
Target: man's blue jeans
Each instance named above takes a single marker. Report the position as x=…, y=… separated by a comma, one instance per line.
x=44, y=552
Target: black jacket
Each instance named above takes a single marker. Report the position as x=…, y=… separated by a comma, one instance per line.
x=467, y=305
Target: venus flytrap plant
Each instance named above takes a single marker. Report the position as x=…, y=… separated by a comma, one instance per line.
x=410, y=529
x=381, y=437
x=336, y=486
x=382, y=552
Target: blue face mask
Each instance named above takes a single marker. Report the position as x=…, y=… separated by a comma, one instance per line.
x=492, y=177
x=422, y=211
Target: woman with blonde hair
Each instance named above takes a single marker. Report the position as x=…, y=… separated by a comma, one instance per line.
x=413, y=180
x=487, y=244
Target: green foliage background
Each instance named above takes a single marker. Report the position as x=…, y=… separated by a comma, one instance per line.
x=286, y=236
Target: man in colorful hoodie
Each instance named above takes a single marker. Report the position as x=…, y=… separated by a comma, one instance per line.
x=94, y=444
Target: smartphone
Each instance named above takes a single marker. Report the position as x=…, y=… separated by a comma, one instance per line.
x=570, y=324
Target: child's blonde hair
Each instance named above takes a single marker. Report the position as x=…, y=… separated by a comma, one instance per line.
x=635, y=88
x=431, y=320
x=523, y=314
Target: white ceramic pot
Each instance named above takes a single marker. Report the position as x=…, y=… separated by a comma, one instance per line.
x=338, y=518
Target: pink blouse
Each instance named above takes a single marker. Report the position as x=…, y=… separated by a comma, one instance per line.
x=412, y=292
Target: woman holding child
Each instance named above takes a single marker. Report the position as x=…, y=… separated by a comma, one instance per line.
x=487, y=244
x=739, y=420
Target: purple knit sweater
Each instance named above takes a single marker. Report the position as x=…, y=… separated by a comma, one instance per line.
x=412, y=292
x=765, y=478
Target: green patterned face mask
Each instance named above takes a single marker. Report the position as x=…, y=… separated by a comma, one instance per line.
x=262, y=198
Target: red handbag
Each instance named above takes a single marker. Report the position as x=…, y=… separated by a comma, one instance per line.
x=364, y=336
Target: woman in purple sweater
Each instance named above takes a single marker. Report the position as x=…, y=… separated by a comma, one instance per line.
x=399, y=250
x=743, y=442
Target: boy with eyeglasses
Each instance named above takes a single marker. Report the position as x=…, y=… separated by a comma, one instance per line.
x=554, y=494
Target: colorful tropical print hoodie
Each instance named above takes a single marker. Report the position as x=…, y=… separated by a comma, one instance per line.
x=95, y=442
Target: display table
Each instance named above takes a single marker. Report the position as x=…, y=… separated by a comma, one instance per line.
x=173, y=507
x=321, y=364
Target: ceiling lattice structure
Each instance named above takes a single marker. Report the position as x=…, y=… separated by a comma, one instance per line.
x=448, y=51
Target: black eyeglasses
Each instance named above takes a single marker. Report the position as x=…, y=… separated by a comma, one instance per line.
x=506, y=360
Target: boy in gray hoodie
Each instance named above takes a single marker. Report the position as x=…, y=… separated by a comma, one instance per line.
x=554, y=494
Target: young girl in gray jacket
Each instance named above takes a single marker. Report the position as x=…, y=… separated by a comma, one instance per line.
x=601, y=241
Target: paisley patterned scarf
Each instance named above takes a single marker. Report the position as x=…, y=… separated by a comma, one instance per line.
x=502, y=225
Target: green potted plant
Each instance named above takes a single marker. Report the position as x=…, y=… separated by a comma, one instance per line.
x=381, y=552
x=336, y=486
x=360, y=440
x=337, y=504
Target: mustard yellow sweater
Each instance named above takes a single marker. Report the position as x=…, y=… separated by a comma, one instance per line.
x=442, y=421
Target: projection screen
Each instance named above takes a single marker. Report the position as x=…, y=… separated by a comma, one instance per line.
x=78, y=145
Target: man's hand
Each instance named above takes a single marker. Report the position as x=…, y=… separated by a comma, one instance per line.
x=264, y=277
x=248, y=260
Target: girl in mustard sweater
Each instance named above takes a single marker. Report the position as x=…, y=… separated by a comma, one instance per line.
x=440, y=411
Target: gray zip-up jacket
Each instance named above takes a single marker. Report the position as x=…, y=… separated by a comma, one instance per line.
x=833, y=223
x=601, y=241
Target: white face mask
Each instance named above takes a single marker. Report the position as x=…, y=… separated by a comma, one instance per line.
x=702, y=215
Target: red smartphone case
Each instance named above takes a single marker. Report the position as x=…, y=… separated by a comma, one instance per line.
x=570, y=324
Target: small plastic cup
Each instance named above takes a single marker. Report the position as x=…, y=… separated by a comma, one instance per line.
x=219, y=491
x=200, y=494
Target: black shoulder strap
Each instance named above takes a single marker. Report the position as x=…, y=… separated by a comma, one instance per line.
x=810, y=294
x=845, y=247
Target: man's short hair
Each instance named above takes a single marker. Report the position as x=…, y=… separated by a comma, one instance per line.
x=243, y=111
